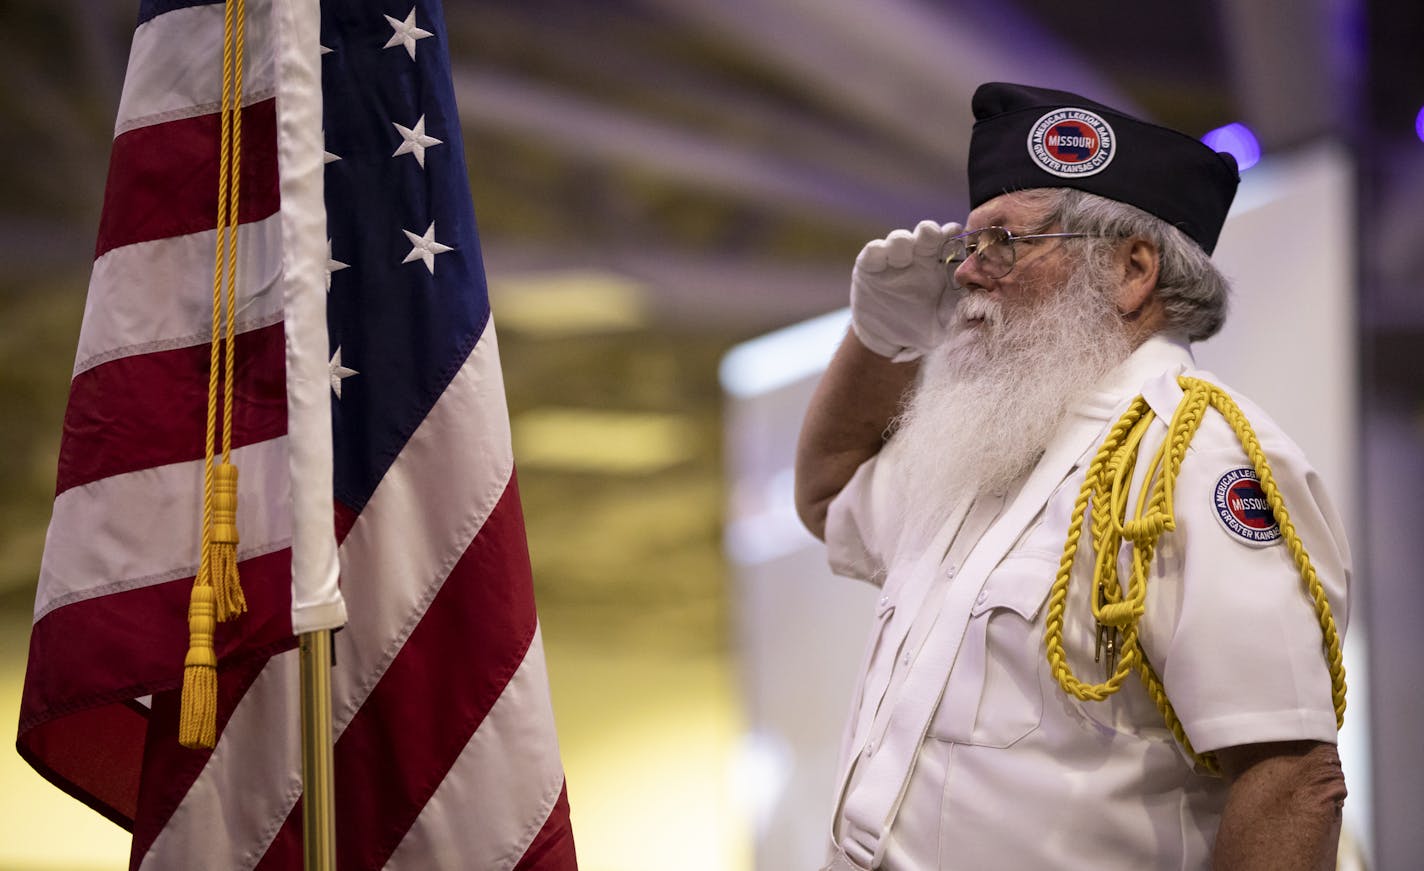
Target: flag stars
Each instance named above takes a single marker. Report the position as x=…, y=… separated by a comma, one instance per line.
x=415, y=141
x=406, y=33
x=327, y=156
x=338, y=372
x=425, y=247
x=333, y=265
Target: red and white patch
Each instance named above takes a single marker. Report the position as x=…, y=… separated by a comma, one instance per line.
x=1242, y=508
x=1071, y=143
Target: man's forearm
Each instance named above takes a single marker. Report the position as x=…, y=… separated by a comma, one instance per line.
x=1283, y=810
x=858, y=397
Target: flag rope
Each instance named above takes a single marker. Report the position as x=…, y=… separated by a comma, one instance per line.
x=217, y=591
x=1120, y=612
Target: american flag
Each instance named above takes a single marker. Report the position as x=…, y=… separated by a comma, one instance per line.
x=445, y=750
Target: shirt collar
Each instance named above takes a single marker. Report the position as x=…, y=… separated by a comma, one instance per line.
x=1161, y=352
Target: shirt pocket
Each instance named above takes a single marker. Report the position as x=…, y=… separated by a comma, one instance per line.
x=994, y=695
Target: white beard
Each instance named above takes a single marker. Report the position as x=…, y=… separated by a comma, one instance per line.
x=990, y=397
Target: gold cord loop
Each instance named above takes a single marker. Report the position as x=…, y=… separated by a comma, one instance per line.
x=1119, y=611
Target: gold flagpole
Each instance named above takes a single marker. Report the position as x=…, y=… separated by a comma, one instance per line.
x=318, y=794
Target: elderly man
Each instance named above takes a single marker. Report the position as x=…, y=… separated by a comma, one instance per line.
x=1142, y=672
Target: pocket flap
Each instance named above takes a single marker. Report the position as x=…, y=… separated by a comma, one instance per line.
x=1020, y=584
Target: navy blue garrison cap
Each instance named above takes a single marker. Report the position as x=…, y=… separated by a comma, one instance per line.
x=1027, y=137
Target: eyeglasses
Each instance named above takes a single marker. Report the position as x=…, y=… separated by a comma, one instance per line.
x=994, y=247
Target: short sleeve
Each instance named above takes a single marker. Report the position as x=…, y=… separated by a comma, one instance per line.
x=861, y=522
x=1230, y=626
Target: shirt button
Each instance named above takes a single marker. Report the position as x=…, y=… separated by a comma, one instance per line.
x=884, y=600
x=982, y=596
x=949, y=572
x=869, y=748
x=905, y=659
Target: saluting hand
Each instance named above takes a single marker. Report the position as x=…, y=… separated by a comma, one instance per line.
x=900, y=298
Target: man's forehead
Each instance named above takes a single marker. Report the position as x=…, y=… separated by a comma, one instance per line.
x=1011, y=210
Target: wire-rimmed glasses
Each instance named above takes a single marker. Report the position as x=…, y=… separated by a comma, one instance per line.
x=995, y=247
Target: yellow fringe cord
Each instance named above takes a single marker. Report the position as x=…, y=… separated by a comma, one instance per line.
x=217, y=590
x=1118, y=612
x=223, y=561
x=197, y=727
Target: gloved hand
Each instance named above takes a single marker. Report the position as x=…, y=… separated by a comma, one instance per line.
x=897, y=290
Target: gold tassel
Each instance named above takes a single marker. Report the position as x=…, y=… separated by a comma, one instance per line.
x=226, y=584
x=198, y=720
x=217, y=590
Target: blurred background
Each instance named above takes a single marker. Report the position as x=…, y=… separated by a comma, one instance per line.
x=658, y=182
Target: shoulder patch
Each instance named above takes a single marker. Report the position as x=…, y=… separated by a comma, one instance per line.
x=1242, y=508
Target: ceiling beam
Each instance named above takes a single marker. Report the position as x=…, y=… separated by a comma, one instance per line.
x=907, y=68
x=594, y=131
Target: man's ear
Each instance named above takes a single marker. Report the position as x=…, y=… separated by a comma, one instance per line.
x=1140, y=268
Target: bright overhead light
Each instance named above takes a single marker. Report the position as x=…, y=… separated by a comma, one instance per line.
x=1238, y=141
x=783, y=357
x=568, y=302
x=602, y=442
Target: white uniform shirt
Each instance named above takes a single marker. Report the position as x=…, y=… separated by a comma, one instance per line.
x=963, y=752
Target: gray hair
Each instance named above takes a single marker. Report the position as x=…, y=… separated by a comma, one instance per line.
x=1192, y=290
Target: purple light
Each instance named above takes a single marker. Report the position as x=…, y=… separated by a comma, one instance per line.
x=1419, y=124
x=1238, y=141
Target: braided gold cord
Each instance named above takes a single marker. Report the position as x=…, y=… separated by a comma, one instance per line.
x=217, y=594
x=226, y=581
x=1057, y=597
x=1105, y=488
x=233, y=142
x=1331, y=636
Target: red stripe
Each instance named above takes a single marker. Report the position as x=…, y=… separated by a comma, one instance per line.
x=163, y=178
x=95, y=755
x=86, y=660
x=285, y=851
x=151, y=409
x=553, y=848
x=130, y=644
x=169, y=769
x=437, y=691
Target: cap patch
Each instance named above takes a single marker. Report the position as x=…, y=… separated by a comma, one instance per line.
x=1242, y=508
x=1071, y=143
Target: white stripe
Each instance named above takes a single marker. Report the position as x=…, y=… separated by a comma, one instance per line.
x=154, y=296
x=316, y=599
x=421, y=518
x=499, y=792
x=248, y=786
x=161, y=508
x=175, y=66
x=419, y=522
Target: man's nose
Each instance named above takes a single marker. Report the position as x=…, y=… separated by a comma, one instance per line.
x=970, y=274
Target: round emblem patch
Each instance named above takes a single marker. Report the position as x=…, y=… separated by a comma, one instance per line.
x=1242, y=508
x=1071, y=143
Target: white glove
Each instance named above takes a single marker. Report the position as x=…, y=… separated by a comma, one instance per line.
x=897, y=291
